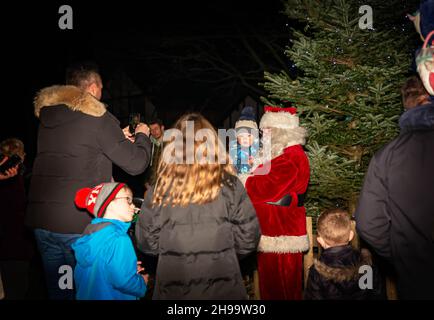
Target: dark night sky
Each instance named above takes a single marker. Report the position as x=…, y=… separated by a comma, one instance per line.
x=36, y=51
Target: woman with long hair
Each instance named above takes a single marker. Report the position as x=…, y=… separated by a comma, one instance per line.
x=197, y=218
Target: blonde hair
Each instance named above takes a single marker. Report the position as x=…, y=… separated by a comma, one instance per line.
x=334, y=226
x=181, y=184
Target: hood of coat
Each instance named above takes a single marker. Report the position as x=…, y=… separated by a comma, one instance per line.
x=418, y=118
x=346, y=263
x=68, y=97
x=96, y=237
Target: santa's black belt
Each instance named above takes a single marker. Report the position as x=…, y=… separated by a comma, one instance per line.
x=286, y=200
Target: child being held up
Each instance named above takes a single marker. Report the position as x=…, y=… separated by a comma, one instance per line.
x=107, y=267
x=243, y=150
x=336, y=275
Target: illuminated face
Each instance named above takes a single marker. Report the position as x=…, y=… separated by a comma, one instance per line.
x=245, y=139
x=122, y=206
x=156, y=130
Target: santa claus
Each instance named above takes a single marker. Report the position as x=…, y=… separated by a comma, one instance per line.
x=277, y=188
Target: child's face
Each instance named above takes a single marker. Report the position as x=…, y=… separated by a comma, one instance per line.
x=122, y=207
x=245, y=139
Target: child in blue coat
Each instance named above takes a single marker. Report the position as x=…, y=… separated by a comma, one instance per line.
x=107, y=267
x=243, y=150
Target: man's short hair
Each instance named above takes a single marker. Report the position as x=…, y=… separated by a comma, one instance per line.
x=156, y=121
x=82, y=74
x=413, y=92
x=334, y=226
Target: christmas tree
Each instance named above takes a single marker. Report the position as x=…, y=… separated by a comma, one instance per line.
x=347, y=91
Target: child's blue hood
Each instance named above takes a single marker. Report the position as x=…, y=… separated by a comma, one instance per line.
x=97, y=236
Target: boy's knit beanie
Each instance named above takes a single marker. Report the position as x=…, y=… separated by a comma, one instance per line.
x=96, y=200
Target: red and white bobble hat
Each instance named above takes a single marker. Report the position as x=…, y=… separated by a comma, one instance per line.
x=96, y=200
x=276, y=117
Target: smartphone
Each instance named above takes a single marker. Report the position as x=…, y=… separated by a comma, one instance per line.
x=10, y=163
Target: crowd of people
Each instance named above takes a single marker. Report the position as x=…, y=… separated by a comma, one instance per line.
x=201, y=219
x=207, y=209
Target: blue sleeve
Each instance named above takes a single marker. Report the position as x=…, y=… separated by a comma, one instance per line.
x=122, y=269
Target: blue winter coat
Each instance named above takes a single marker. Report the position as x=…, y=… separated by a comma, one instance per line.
x=240, y=155
x=106, y=263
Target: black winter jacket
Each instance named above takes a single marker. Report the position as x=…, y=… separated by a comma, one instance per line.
x=199, y=245
x=78, y=140
x=395, y=214
x=336, y=276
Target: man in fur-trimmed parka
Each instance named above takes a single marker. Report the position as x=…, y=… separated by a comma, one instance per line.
x=276, y=189
x=78, y=141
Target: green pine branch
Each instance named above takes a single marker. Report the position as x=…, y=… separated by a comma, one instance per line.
x=347, y=92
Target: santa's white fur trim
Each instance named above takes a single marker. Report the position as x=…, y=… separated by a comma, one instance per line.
x=283, y=120
x=246, y=124
x=284, y=244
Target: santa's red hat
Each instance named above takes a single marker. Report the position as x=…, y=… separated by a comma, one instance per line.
x=276, y=117
x=96, y=200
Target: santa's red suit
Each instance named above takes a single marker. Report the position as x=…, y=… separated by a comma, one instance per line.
x=277, y=198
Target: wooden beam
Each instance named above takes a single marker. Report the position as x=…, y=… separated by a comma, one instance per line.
x=308, y=257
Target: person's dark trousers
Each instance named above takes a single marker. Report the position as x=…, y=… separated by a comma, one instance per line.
x=56, y=251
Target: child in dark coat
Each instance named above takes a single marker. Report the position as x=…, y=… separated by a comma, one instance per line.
x=337, y=275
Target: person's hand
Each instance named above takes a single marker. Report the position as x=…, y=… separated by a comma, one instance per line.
x=146, y=278
x=139, y=267
x=142, y=128
x=9, y=173
x=127, y=134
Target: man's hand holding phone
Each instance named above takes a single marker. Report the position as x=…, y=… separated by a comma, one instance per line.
x=8, y=173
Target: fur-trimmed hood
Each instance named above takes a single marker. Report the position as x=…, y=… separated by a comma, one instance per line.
x=343, y=273
x=71, y=96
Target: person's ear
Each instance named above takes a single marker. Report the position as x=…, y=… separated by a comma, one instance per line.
x=162, y=128
x=321, y=242
x=92, y=89
x=351, y=236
